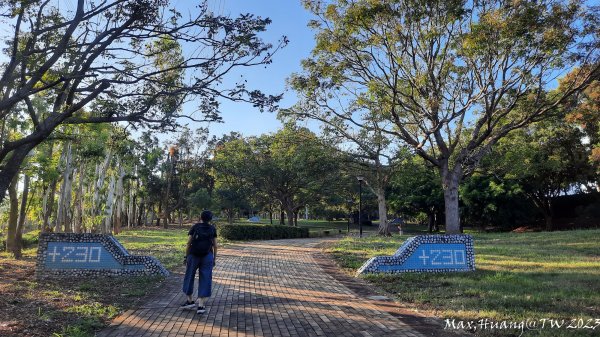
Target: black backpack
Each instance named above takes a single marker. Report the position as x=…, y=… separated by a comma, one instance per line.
x=202, y=237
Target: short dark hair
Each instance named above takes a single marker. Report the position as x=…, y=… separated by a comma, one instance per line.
x=206, y=216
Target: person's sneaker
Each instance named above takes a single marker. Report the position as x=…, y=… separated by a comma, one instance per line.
x=201, y=310
x=187, y=305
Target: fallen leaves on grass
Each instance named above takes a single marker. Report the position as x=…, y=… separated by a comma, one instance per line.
x=41, y=307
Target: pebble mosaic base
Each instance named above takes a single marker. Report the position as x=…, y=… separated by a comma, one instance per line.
x=454, y=254
x=126, y=264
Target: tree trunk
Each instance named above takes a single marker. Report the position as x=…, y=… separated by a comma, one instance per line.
x=439, y=220
x=11, y=235
x=271, y=216
x=46, y=188
x=101, y=174
x=450, y=183
x=78, y=217
x=296, y=215
x=158, y=216
x=2, y=130
x=131, y=208
x=180, y=201
x=384, y=226
x=230, y=212
x=167, y=211
x=119, y=201
x=21, y=223
x=152, y=215
x=110, y=203
x=48, y=205
x=430, y=221
x=282, y=218
x=141, y=214
x=549, y=221
x=9, y=172
x=549, y=217
x=63, y=221
x=290, y=215
x=544, y=204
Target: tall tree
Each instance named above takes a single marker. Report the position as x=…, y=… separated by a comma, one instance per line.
x=123, y=61
x=18, y=244
x=448, y=76
x=170, y=163
x=293, y=166
x=230, y=190
x=547, y=159
x=13, y=216
x=148, y=153
x=373, y=152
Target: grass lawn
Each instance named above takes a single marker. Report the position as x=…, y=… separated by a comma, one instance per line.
x=78, y=307
x=168, y=246
x=519, y=276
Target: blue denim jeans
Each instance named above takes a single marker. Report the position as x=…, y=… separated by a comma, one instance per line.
x=204, y=265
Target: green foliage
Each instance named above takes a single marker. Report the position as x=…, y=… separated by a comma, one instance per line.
x=199, y=200
x=291, y=166
x=31, y=238
x=490, y=201
x=415, y=188
x=546, y=159
x=260, y=232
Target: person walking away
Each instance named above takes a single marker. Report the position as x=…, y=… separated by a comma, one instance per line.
x=201, y=254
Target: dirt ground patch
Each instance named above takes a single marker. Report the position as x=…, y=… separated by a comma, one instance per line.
x=40, y=307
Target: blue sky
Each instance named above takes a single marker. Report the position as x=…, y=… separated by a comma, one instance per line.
x=289, y=18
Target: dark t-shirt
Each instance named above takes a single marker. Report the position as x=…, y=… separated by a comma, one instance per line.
x=201, y=224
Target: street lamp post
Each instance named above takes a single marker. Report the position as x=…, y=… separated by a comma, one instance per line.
x=349, y=201
x=360, y=180
x=349, y=222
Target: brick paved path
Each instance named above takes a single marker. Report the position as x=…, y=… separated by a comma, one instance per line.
x=267, y=288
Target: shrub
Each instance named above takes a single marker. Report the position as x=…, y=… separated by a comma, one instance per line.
x=260, y=232
x=29, y=239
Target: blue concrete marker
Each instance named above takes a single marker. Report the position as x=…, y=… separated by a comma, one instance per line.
x=69, y=254
x=426, y=253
